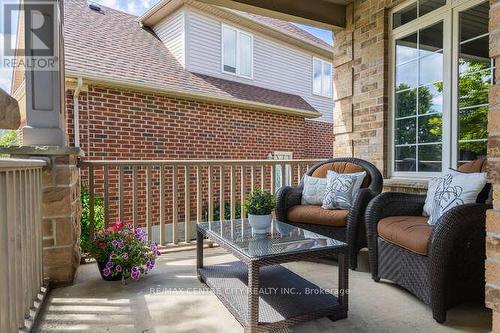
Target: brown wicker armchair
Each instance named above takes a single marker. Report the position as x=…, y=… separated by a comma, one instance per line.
x=443, y=264
x=339, y=224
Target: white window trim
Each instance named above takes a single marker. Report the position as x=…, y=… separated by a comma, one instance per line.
x=448, y=14
x=238, y=33
x=323, y=62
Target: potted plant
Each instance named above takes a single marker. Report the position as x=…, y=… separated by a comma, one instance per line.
x=259, y=206
x=122, y=251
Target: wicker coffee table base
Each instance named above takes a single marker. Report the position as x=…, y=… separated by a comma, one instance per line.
x=263, y=295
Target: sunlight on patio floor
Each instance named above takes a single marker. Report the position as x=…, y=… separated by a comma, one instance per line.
x=94, y=305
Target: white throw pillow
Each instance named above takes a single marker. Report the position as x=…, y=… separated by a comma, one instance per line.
x=452, y=189
x=342, y=189
x=313, y=191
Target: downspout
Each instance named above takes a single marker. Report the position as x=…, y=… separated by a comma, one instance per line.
x=76, y=112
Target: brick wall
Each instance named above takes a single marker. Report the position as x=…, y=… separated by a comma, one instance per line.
x=493, y=216
x=123, y=124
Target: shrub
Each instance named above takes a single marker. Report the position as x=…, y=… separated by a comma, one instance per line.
x=85, y=218
x=227, y=212
x=259, y=202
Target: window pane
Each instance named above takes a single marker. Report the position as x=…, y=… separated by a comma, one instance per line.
x=229, y=52
x=406, y=75
x=431, y=39
x=474, y=22
x=317, y=76
x=472, y=150
x=430, y=128
x=406, y=49
x=474, y=55
x=430, y=98
x=327, y=79
x=405, y=131
x=431, y=69
x=245, y=48
x=475, y=77
x=406, y=103
x=473, y=88
x=472, y=123
x=429, y=158
x=427, y=6
x=405, y=158
x=405, y=15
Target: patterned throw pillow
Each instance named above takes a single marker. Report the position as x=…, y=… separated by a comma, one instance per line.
x=452, y=189
x=342, y=189
x=313, y=191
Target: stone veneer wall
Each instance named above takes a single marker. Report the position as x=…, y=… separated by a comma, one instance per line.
x=361, y=73
x=493, y=216
x=61, y=210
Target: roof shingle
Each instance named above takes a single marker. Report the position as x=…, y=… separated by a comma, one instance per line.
x=112, y=45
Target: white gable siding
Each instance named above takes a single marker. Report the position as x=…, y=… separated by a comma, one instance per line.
x=276, y=66
x=171, y=32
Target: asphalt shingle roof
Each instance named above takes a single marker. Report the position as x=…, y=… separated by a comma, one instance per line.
x=111, y=44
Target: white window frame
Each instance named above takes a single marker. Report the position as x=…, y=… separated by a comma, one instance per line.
x=322, y=88
x=448, y=14
x=238, y=67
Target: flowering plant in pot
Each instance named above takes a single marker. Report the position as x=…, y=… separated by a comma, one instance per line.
x=122, y=251
x=259, y=206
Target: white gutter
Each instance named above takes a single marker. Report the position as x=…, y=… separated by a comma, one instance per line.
x=76, y=112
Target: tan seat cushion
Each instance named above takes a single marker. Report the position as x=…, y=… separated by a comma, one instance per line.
x=341, y=167
x=410, y=232
x=312, y=214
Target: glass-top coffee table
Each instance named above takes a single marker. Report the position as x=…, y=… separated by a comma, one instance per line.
x=261, y=294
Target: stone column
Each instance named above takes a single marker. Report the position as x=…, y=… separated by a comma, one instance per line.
x=493, y=215
x=61, y=209
x=359, y=83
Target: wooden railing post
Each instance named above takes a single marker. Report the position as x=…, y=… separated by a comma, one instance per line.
x=20, y=243
x=155, y=185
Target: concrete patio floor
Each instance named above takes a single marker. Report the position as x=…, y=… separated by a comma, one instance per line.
x=93, y=305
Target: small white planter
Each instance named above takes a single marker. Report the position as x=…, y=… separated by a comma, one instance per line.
x=260, y=223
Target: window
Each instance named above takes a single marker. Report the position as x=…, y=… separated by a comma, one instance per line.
x=237, y=52
x=440, y=85
x=322, y=78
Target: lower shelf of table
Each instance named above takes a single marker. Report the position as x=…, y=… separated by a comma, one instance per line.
x=285, y=297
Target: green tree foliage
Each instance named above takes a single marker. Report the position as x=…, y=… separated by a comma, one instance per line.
x=473, y=90
x=85, y=218
x=9, y=138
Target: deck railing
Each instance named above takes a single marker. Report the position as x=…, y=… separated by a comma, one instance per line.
x=169, y=197
x=21, y=272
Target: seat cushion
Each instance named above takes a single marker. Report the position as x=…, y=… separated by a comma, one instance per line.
x=312, y=214
x=410, y=232
x=341, y=167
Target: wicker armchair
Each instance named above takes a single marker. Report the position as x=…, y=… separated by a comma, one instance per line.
x=443, y=264
x=339, y=224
